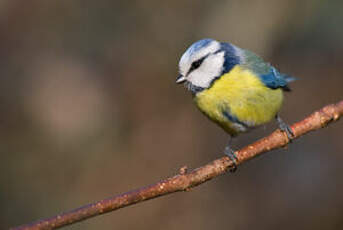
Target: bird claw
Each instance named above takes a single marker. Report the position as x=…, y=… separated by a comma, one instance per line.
x=232, y=156
x=285, y=128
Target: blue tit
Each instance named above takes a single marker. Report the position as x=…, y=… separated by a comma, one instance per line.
x=233, y=87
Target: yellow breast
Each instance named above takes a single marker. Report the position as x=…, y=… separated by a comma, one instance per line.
x=242, y=95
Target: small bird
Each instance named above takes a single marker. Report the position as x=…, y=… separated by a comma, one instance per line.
x=233, y=87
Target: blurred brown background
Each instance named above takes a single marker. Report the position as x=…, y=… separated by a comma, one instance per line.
x=89, y=109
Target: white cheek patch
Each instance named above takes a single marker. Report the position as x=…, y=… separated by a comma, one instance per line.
x=211, y=68
x=199, y=79
x=213, y=64
x=193, y=55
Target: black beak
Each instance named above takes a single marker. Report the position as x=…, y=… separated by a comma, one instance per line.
x=180, y=79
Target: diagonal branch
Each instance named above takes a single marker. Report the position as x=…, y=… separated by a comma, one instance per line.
x=186, y=180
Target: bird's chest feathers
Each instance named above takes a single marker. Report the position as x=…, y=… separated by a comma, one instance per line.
x=241, y=95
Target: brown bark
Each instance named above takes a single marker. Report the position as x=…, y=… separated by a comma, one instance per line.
x=186, y=180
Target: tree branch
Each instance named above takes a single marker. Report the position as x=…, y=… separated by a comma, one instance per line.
x=186, y=180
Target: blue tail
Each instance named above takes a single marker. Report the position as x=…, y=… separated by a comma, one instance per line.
x=288, y=78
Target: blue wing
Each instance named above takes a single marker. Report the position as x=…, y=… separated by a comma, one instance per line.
x=268, y=74
x=274, y=79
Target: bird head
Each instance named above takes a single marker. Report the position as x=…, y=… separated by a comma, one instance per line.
x=204, y=62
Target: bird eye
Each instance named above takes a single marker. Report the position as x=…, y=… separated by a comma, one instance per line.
x=196, y=64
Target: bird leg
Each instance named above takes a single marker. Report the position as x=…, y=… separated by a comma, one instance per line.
x=285, y=128
x=231, y=154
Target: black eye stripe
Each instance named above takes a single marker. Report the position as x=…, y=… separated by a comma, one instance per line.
x=196, y=64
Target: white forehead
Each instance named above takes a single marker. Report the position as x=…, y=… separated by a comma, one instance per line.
x=196, y=51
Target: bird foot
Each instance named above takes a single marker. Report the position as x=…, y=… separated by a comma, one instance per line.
x=231, y=154
x=285, y=128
